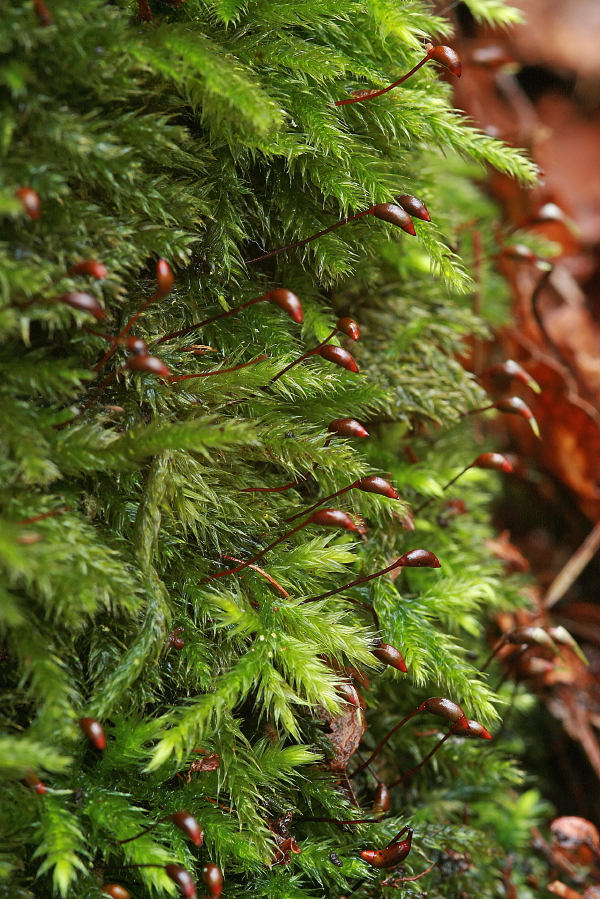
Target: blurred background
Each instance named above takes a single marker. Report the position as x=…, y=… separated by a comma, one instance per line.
x=537, y=86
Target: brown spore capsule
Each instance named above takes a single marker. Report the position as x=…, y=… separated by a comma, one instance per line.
x=116, y=891
x=183, y=879
x=390, y=856
x=287, y=301
x=511, y=369
x=395, y=215
x=339, y=356
x=382, y=800
x=347, y=427
x=33, y=781
x=93, y=731
x=391, y=656
x=43, y=13
x=164, y=279
x=375, y=484
x=90, y=267
x=332, y=518
x=444, y=708
x=136, y=345
x=495, y=461
x=350, y=694
x=470, y=728
x=31, y=201
x=447, y=57
x=419, y=558
x=516, y=406
x=414, y=207
x=188, y=824
x=213, y=878
x=84, y=302
x=349, y=327
x=151, y=365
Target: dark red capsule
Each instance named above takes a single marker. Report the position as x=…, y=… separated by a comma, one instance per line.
x=374, y=484
x=391, y=656
x=495, y=461
x=33, y=781
x=151, y=365
x=390, y=856
x=511, y=369
x=188, y=824
x=349, y=327
x=115, y=891
x=287, y=301
x=350, y=694
x=164, y=279
x=469, y=728
x=447, y=57
x=135, y=345
x=339, y=356
x=30, y=200
x=382, y=800
x=213, y=878
x=419, y=558
x=514, y=405
x=390, y=212
x=183, y=879
x=347, y=427
x=93, y=731
x=90, y=267
x=85, y=302
x=444, y=708
x=332, y=518
x=414, y=207
x=42, y=12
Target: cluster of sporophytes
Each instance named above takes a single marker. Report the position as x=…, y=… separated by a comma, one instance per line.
x=179, y=661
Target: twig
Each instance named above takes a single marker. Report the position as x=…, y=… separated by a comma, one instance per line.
x=573, y=567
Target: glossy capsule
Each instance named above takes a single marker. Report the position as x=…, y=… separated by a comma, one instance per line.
x=391, y=855
x=90, y=267
x=183, y=879
x=391, y=656
x=93, y=731
x=375, y=484
x=287, y=301
x=116, y=891
x=332, y=518
x=188, y=824
x=418, y=558
x=213, y=878
x=447, y=57
x=164, y=279
x=494, y=461
x=151, y=365
x=414, y=207
x=470, y=728
x=443, y=708
x=84, y=302
x=30, y=200
x=339, y=356
x=349, y=327
x=395, y=215
x=382, y=800
x=347, y=427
